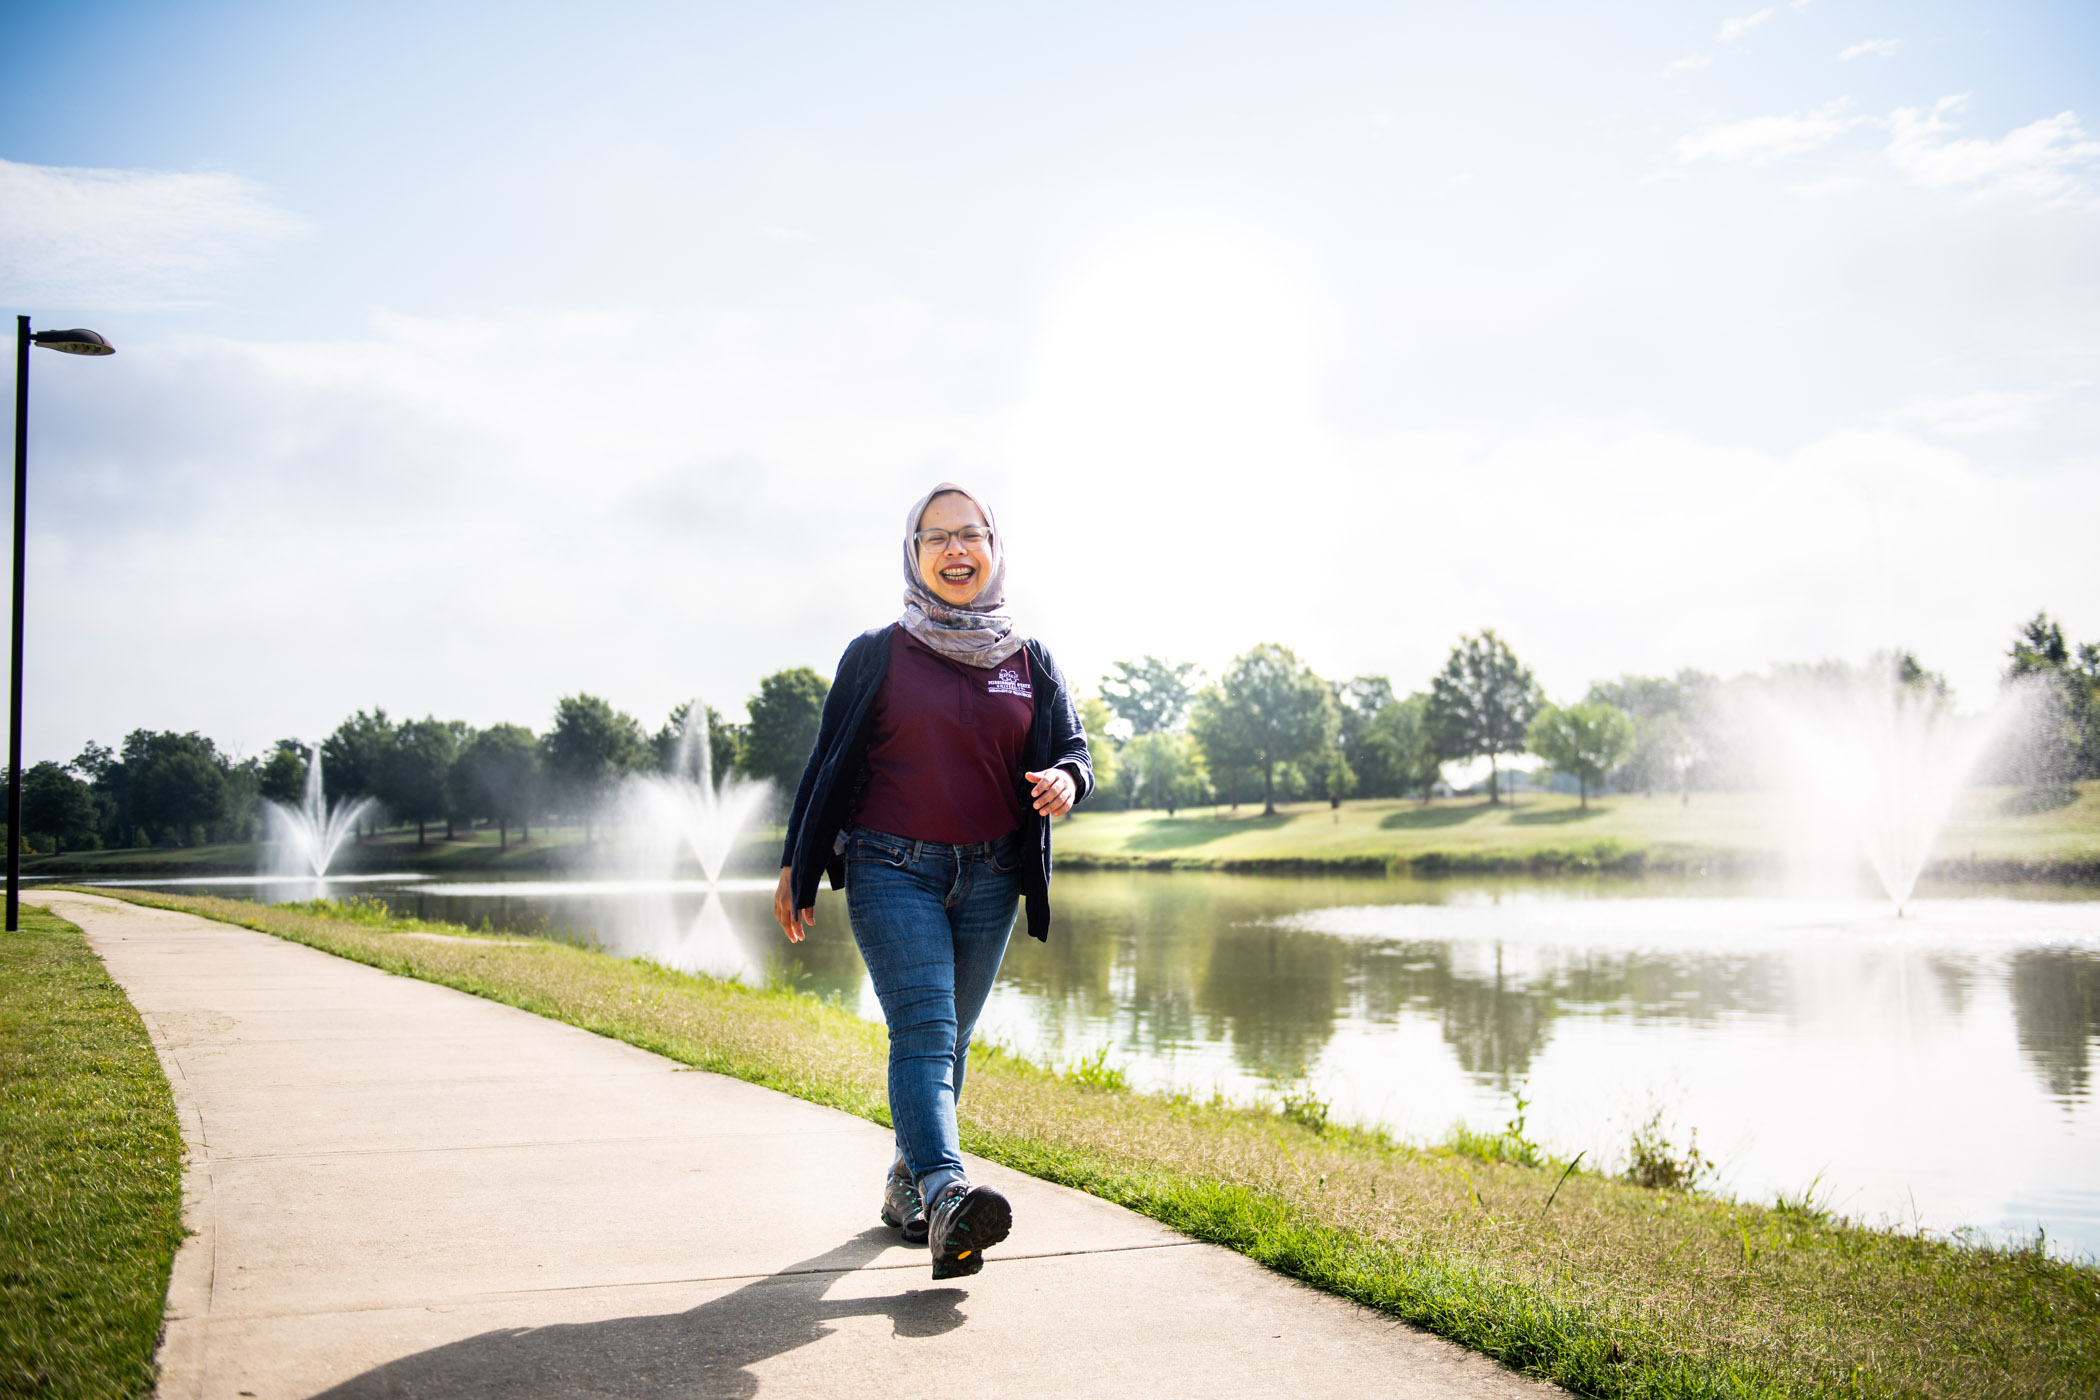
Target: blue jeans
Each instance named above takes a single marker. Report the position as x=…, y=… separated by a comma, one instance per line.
x=932, y=920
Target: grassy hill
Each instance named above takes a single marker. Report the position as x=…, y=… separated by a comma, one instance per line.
x=1992, y=833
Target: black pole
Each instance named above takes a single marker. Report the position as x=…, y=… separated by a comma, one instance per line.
x=14, y=685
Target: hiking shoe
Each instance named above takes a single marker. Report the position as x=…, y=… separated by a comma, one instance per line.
x=964, y=1222
x=902, y=1209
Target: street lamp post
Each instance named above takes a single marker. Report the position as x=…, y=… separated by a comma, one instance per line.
x=75, y=342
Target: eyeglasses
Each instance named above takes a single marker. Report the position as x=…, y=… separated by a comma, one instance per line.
x=970, y=536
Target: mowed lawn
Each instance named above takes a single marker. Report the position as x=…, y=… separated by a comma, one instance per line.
x=1992, y=824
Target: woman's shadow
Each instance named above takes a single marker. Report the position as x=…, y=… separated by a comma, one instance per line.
x=707, y=1351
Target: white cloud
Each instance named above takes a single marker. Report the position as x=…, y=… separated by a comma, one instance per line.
x=1878, y=48
x=127, y=238
x=1736, y=28
x=1687, y=64
x=1762, y=140
x=1971, y=415
x=2045, y=159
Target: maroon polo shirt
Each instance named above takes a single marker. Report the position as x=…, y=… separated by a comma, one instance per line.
x=946, y=745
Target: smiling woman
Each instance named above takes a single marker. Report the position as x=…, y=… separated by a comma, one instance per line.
x=949, y=742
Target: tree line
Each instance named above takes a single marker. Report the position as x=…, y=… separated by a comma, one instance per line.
x=1272, y=729
x=170, y=789
x=1268, y=728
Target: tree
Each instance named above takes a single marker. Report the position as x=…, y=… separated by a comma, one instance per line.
x=1267, y=709
x=783, y=727
x=2063, y=734
x=1095, y=719
x=57, y=805
x=283, y=778
x=413, y=777
x=1586, y=740
x=725, y=741
x=590, y=747
x=1399, y=742
x=1151, y=696
x=1358, y=703
x=497, y=776
x=1481, y=705
x=1175, y=759
x=1328, y=773
x=172, y=785
x=354, y=758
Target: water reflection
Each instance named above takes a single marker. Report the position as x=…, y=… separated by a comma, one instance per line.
x=1936, y=1068
x=2056, y=1001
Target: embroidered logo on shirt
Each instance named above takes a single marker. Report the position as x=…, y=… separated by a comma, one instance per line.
x=1009, y=682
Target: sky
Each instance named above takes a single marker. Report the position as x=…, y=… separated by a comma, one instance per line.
x=474, y=355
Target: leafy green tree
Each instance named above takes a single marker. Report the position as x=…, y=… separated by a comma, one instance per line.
x=725, y=741
x=1267, y=709
x=283, y=777
x=172, y=786
x=497, y=777
x=1910, y=674
x=1586, y=740
x=58, y=806
x=1152, y=696
x=1326, y=771
x=1184, y=782
x=97, y=766
x=590, y=747
x=243, y=805
x=1674, y=727
x=1399, y=742
x=783, y=727
x=1481, y=705
x=1358, y=703
x=354, y=758
x=1095, y=719
x=2062, y=741
x=412, y=782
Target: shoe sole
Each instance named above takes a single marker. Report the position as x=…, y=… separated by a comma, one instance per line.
x=914, y=1231
x=983, y=1220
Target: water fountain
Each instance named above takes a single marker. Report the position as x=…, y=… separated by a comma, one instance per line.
x=1873, y=767
x=686, y=812
x=307, y=836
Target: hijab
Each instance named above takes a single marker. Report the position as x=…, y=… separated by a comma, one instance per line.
x=979, y=634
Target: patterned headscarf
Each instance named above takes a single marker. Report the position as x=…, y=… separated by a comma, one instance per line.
x=980, y=634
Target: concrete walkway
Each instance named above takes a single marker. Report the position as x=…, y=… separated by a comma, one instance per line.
x=401, y=1190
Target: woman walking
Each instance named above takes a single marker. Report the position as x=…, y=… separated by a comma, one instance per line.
x=948, y=744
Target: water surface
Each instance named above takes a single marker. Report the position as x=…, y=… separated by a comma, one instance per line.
x=1934, y=1070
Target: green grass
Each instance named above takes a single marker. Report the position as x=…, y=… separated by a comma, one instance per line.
x=90, y=1173
x=1606, y=1287
x=1991, y=834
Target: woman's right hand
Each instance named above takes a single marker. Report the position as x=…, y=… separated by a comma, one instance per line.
x=792, y=921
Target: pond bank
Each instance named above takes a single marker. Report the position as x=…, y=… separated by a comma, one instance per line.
x=1993, y=836
x=1609, y=1288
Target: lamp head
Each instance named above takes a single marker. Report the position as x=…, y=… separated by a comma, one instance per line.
x=75, y=342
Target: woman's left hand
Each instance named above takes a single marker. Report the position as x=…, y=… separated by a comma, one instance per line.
x=1054, y=790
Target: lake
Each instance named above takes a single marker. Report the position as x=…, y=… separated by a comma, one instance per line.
x=1931, y=1071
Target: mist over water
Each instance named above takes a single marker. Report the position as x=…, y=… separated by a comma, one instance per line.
x=1870, y=768
x=662, y=820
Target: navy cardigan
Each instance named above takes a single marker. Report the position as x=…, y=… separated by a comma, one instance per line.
x=824, y=800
